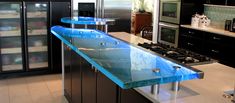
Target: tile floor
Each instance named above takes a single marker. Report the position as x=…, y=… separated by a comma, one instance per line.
x=34, y=89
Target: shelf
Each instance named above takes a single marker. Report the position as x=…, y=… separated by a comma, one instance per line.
x=12, y=67
x=18, y=50
x=38, y=65
x=10, y=16
x=37, y=32
x=38, y=49
x=10, y=33
x=10, y=50
x=37, y=14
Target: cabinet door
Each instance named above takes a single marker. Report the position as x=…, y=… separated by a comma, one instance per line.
x=37, y=30
x=231, y=2
x=67, y=73
x=58, y=10
x=106, y=90
x=76, y=77
x=88, y=82
x=10, y=36
x=132, y=96
x=216, y=2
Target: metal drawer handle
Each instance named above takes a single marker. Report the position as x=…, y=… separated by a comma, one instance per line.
x=190, y=32
x=215, y=51
x=215, y=38
x=190, y=44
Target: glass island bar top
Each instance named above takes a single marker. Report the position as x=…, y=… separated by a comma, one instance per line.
x=87, y=20
x=126, y=65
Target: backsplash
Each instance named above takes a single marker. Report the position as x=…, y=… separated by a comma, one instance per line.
x=218, y=14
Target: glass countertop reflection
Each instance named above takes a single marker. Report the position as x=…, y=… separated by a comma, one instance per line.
x=126, y=65
x=87, y=20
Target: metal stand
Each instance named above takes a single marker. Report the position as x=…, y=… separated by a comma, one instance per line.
x=106, y=29
x=155, y=89
x=234, y=95
x=175, y=86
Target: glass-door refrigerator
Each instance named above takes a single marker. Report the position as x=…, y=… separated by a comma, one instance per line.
x=11, y=57
x=37, y=34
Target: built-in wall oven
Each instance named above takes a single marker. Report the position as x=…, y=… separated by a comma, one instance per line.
x=168, y=34
x=170, y=11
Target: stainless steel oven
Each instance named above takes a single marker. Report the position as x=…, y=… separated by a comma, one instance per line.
x=168, y=34
x=170, y=11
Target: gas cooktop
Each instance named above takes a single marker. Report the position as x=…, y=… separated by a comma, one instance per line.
x=178, y=54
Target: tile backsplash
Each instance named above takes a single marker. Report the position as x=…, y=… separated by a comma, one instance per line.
x=218, y=14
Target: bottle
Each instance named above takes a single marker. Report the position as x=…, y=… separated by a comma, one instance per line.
x=233, y=25
x=228, y=25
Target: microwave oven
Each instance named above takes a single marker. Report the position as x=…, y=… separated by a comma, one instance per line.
x=168, y=34
x=170, y=11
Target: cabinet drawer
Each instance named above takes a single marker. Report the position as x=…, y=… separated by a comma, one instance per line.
x=220, y=52
x=192, y=33
x=220, y=40
x=195, y=45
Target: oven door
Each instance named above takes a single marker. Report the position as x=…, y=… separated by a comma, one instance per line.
x=168, y=34
x=170, y=11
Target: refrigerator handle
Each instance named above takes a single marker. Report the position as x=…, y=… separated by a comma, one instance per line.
x=97, y=8
x=102, y=8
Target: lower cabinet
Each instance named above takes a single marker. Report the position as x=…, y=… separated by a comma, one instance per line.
x=106, y=90
x=76, y=78
x=88, y=82
x=67, y=73
x=84, y=84
x=132, y=96
x=217, y=46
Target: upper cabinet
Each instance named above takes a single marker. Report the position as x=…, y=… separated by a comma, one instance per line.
x=221, y=2
x=231, y=2
x=216, y=2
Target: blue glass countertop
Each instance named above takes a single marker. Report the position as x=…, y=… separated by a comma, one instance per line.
x=86, y=20
x=127, y=65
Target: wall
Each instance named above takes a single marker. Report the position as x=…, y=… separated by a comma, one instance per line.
x=218, y=14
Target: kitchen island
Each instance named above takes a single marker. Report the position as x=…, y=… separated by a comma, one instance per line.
x=218, y=78
x=95, y=58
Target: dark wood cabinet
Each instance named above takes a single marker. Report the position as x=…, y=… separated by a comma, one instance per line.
x=84, y=84
x=231, y=2
x=58, y=10
x=216, y=2
x=221, y=2
x=132, y=96
x=217, y=46
x=88, y=82
x=106, y=90
x=220, y=47
x=192, y=40
x=140, y=20
x=76, y=78
x=67, y=73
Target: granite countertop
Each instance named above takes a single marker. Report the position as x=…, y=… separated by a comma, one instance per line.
x=125, y=64
x=218, y=78
x=211, y=30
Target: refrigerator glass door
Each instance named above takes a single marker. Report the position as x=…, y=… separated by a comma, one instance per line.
x=37, y=30
x=10, y=36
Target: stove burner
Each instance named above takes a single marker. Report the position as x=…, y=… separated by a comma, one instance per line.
x=178, y=54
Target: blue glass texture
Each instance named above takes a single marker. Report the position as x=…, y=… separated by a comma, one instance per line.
x=84, y=20
x=126, y=65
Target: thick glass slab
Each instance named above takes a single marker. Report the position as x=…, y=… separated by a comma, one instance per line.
x=127, y=65
x=86, y=20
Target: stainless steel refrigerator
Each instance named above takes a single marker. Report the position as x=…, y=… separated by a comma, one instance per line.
x=120, y=10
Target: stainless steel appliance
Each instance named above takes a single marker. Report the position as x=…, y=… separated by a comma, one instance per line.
x=170, y=11
x=120, y=10
x=168, y=34
x=178, y=54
